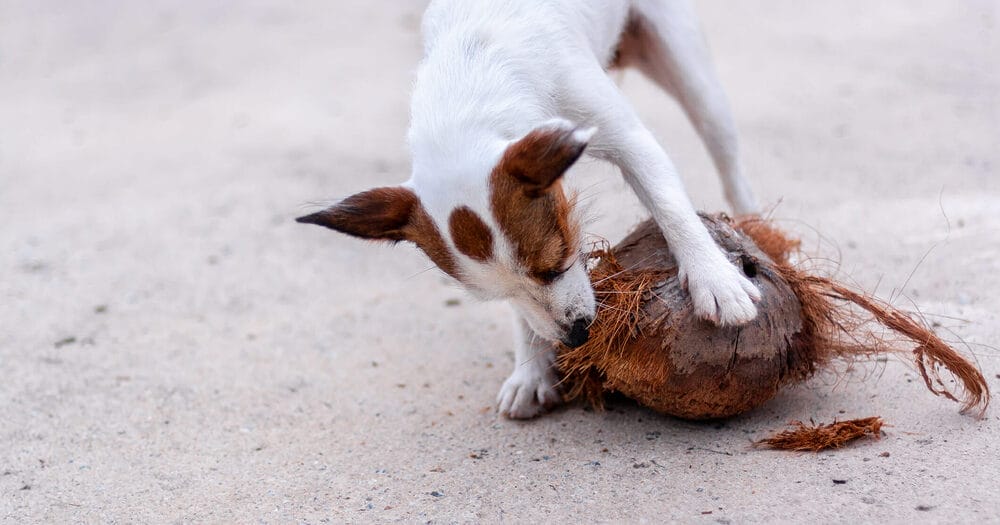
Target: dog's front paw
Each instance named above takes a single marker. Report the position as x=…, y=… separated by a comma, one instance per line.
x=528, y=392
x=720, y=293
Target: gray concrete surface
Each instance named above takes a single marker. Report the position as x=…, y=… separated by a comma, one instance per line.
x=175, y=349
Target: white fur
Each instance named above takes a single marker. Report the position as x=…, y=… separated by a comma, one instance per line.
x=531, y=387
x=495, y=70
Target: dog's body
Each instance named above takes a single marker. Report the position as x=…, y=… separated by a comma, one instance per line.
x=509, y=95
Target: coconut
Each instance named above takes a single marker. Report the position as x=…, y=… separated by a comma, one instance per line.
x=648, y=344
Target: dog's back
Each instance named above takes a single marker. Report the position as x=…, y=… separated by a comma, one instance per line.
x=542, y=26
x=500, y=64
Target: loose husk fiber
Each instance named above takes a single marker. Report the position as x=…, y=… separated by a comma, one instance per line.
x=817, y=437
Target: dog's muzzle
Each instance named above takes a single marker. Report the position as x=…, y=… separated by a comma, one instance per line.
x=578, y=333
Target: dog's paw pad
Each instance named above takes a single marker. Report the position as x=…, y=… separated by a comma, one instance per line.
x=722, y=295
x=527, y=393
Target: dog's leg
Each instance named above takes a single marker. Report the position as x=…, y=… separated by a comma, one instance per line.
x=666, y=44
x=531, y=387
x=718, y=290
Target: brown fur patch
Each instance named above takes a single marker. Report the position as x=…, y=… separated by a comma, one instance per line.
x=540, y=227
x=529, y=204
x=631, y=44
x=424, y=233
x=471, y=235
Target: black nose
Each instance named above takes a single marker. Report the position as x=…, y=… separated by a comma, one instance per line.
x=578, y=333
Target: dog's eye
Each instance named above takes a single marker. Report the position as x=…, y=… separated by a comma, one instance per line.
x=549, y=276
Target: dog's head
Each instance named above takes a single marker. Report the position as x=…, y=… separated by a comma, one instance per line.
x=517, y=239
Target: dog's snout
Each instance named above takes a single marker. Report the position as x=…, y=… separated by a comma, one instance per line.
x=578, y=333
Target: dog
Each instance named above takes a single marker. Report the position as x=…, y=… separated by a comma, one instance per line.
x=509, y=95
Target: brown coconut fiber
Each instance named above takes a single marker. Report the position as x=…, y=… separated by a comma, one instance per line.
x=814, y=438
x=647, y=343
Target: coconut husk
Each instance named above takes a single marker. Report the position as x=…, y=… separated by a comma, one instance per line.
x=648, y=344
x=817, y=437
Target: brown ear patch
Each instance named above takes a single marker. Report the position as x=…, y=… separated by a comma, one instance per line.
x=471, y=235
x=378, y=214
x=390, y=214
x=541, y=157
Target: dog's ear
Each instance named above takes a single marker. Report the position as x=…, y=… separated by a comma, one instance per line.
x=543, y=155
x=378, y=214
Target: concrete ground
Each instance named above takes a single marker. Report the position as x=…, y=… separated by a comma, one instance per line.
x=175, y=349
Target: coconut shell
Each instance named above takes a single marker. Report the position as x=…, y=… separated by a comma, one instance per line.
x=688, y=367
x=648, y=344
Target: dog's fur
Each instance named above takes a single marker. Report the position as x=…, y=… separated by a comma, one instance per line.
x=509, y=95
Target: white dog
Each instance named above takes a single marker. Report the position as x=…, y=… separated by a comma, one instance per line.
x=509, y=95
